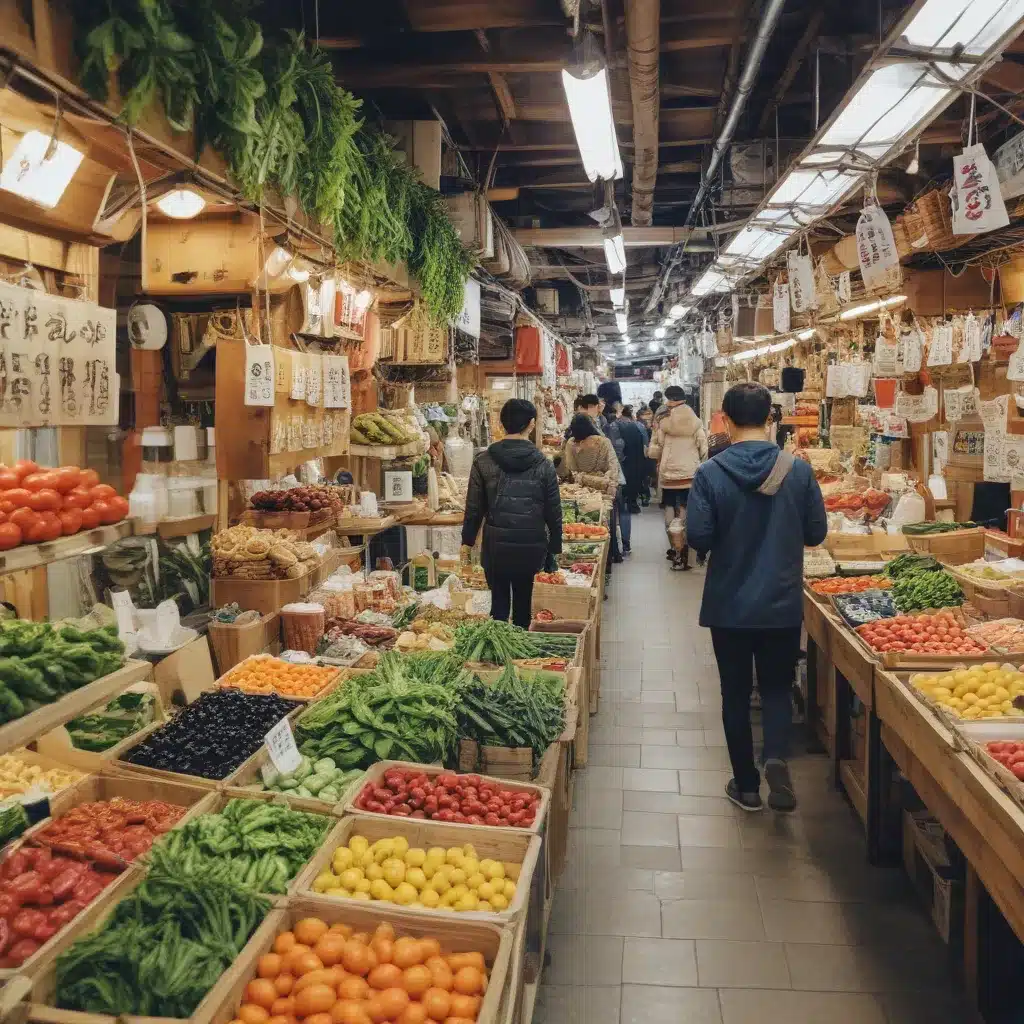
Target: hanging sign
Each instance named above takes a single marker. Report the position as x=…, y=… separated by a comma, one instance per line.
x=57, y=360
x=912, y=350
x=337, y=383
x=940, y=351
x=801, y=282
x=259, y=375
x=780, y=307
x=972, y=338
x=977, y=203
x=876, y=250
x=886, y=358
x=314, y=380
x=843, y=291
x=940, y=447
x=918, y=408
x=298, y=382
x=1009, y=164
x=960, y=402
x=313, y=323
x=1015, y=369
x=468, y=320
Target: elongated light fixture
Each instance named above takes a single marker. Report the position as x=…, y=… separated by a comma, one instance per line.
x=855, y=312
x=615, y=254
x=621, y=322
x=590, y=107
x=618, y=296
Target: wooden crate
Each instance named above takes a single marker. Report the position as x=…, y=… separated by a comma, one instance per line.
x=376, y=772
x=862, y=547
x=264, y=596
x=565, y=602
x=232, y=643
x=955, y=548
x=460, y=936
x=251, y=772
x=514, y=846
x=332, y=681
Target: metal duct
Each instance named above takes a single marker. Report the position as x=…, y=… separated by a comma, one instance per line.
x=642, y=38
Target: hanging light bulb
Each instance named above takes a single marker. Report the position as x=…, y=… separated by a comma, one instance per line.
x=181, y=204
x=660, y=332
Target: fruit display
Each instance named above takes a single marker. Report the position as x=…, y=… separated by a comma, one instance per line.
x=921, y=634
x=265, y=674
x=1010, y=754
x=18, y=775
x=981, y=691
x=38, y=505
x=257, y=844
x=244, y=552
x=386, y=426
x=871, y=502
x=992, y=572
x=466, y=799
x=318, y=499
x=391, y=871
x=584, y=531
x=867, y=606
x=914, y=591
x=319, y=973
x=850, y=584
x=1003, y=635
x=313, y=780
x=213, y=735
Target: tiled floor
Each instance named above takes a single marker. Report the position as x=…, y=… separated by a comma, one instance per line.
x=677, y=908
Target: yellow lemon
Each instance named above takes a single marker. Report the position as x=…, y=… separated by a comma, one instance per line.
x=499, y=902
x=343, y=858
x=970, y=698
x=350, y=878
x=475, y=880
x=380, y=890
x=483, y=905
x=454, y=856
x=360, y=895
x=437, y=854
x=401, y=846
x=359, y=844
x=429, y=898
x=510, y=889
x=457, y=876
x=415, y=877
x=449, y=898
x=324, y=882
x=415, y=858
x=364, y=860
x=496, y=870
x=363, y=885
x=467, y=902
x=460, y=891
x=440, y=884
x=394, y=871
x=469, y=850
x=374, y=871
x=405, y=894
x=511, y=870
x=486, y=890
x=337, y=891
x=470, y=865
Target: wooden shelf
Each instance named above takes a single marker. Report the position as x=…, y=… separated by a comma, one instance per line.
x=384, y=452
x=353, y=527
x=799, y=421
x=25, y=729
x=31, y=556
x=181, y=526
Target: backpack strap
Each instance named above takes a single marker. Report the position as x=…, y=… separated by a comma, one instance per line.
x=772, y=483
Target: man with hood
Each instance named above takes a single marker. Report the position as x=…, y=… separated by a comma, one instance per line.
x=680, y=446
x=755, y=508
x=513, y=494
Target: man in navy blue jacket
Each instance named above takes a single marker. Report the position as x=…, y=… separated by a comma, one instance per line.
x=754, y=508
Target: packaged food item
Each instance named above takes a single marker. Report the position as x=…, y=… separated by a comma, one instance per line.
x=302, y=626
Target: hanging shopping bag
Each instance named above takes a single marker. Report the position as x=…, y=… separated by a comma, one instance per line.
x=976, y=199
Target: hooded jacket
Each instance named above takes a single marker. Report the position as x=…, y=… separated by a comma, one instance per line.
x=513, y=493
x=680, y=445
x=755, y=575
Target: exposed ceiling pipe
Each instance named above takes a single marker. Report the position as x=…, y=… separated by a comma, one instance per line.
x=643, y=39
x=758, y=46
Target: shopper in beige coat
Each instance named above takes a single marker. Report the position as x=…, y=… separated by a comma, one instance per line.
x=680, y=445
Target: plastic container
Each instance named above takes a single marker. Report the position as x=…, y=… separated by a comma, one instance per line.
x=459, y=453
x=302, y=626
x=149, y=498
x=157, y=445
x=182, y=499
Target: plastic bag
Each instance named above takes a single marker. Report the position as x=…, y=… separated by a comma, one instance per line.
x=677, y=533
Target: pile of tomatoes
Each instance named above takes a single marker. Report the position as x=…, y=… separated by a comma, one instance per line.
x=1009, y=754
x=38, y=505
x=850, y=584
x=922, y=634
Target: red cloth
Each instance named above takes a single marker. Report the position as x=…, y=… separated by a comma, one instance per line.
x=529, y=350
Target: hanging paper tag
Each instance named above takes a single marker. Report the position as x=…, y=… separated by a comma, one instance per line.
x=876, y=250
x=843, y=292
x=780, y=307
x=801, y=282
x=918, y=408
x=972, y=338
x=993, y=466
x=328, y=288
x=885, y=358
x=977, y=202
x=314, y=385
x=912, y=350
x=281, y=747
x=337, y=387
x=259, y=375
x=298, y=388
x=940, y=352
x=960, y=403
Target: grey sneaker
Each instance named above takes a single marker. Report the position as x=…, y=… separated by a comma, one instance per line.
x=780, y=786
x=744, y=801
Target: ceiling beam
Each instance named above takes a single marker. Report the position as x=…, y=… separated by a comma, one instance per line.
x=796, y=58
x=593, y=238
x=466, y=15
x=700, y=36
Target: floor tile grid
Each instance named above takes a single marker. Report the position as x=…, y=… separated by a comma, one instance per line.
x=677, y=906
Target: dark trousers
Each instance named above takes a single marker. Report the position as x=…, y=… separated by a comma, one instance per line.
x=625, y=519
x=774, y=652
x=511, y=593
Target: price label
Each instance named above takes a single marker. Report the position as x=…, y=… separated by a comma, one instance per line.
x=298, y=388
x=314, y=381
x=259, y=375
x=281, y=747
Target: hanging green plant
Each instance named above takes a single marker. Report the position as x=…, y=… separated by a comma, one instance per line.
x=439, y=260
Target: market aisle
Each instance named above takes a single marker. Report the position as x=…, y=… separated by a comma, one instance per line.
x=677, y=908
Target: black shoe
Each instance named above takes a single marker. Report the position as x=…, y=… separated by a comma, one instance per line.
x=670, y=554
x=679, y=563
x=744, y=801
x=701, y=561
x=780, y=786
x=635, y=509
x=627, y=551
x=617, y=559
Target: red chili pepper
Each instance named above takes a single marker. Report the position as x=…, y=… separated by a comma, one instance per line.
x=27, y=921
x=64, y=884
x=9, y=905
x=16, y=864
x=88, y=889
x=26, y=886
x=21, y=951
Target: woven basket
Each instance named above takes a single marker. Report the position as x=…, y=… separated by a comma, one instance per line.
x=913, y=225
x=937, y=219
x=900, y=237
x=832, y=264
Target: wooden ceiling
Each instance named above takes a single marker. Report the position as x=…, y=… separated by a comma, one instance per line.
x=490, y=69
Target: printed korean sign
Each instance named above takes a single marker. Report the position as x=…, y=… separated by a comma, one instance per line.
x=876, y=250
x=57, y=360
x=977, y=203
x=337, y=383
x=918, y=408
x=259, y=375
x=780, y=307
x=801, y=282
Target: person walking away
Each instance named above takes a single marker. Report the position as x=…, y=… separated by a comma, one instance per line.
x=655, y=403
x=680, y=445
x=621, y=521
x=644, y=419
x=755, y=508
x=634, y=459
x=513, y=494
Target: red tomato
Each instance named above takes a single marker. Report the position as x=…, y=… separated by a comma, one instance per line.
x=67, y=478
x=25, y=466
x=90, y=518
x=7, y=507
x=90, y=478
x=70, y=521
x=101, y=492
x=77, y=497
x=120, y=506
x=10, y=536
x=9, y=479
x=104, y=511
x=19, y=496
x=46, y=500
x=24, y=519
x=44, y=530
x=37, y=481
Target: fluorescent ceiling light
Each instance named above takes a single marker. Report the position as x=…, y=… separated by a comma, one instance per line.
x=182, y=204
x=975, y=25
x=782, y=345
x=660, y=332
x=654, y=347
x=741, y=356
x=590, y=107
x=806, y=335
x=622, y=322
x=678, y=311
x=618, y=297
x=870, y=307
x=615, y=254
x=40, y=169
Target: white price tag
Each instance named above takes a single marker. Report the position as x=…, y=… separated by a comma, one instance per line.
x=298, y=389
x=314, y=381
x=281, y=747
x=259, y=375
x=337, y=387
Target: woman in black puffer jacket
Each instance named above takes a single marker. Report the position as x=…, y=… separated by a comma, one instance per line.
x=513, y=494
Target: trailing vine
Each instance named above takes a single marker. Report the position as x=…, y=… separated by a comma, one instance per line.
x=275, y=113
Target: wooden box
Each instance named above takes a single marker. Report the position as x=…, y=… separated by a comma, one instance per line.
x=565, y=602
x=233, y=643
x=956, y=548
x=264, y=596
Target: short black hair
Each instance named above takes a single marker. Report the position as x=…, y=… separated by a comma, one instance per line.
x=748, y=404
x=627, y=412
x=656, y=395
x=582, y=427
x=674, y=393
x=577, y=403
x=586, y=401
x=516, y=414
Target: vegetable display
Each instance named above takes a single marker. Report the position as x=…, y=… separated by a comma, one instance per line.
x=486, y=640
x=13, y=821
x=915, y=591
x=393, y=872
x=376, y=428
x=466, y=799
x=122, y=717
x=512, y=712
x=163, y=947
x=920, y=634
x=403, y=709
x=584, y=531
x=1005, y=635
x=40, y=663
x=299, y=499
x=929, y=529
x=40, y=892
x=903, y=565
x=314, y=780
x=18, y=775
x=331, y=974
x=858, y=609
x=213, y=735
x=252, y=843
x=262, y=674
x=850, y=584
x=1010, y=754
x=981, y=691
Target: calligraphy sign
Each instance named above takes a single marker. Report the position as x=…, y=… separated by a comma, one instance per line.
x=977, y=202
x=57, y=360
x=876, y=250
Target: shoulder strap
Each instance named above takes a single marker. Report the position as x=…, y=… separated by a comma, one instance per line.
x=772, y=483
